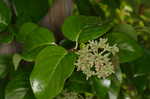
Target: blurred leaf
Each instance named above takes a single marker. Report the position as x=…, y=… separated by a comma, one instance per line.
x=5, y=16
x=25, y=30
x=111, y=6
x=4, y=65
x=142, y=65
x=116, y=81
x=53, y=66
x=141, y=83
x=18, y=86
x=25, y=10
x=100, y=87
x=83, y=28
x=78, y=83
x=129, y=48
x=1, y=90
x=6, y=38
x=51, y=2
x=127, y=29
x=85, y=7
x=29, y=95
x=146, y=3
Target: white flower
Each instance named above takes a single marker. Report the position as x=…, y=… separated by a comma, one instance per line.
x=95, y=58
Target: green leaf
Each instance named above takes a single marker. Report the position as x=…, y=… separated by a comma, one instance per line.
x=52, y=67
x=78, y=83
x=40, y=37
x=25, y=29
x=83, y=28
x=33, y=36
x=115, y=87
x=29, y=95
x=4, y=64
x=129, y=48
x=100, y=87
x=85, y=7
x=141, y=83
x=18, y=86
x=25, y=10
x=112, y=5
x=30, y=55
x=2, y=87
x=33, y=39
x=5, y=16
x=127, y=29
x=142, y=65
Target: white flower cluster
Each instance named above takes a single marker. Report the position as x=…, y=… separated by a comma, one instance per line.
x=95, y=58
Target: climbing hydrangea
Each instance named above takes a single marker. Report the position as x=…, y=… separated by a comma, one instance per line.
x=95, y=58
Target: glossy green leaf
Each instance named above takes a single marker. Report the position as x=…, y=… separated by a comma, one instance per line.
x=52, y=67
x=40, y=37
x=18, y=86
x=33, y=39
x=33, y=36
x=5, y=16
x=30, y=55
x=25, y=30
x=83, y=28
x=129, y=48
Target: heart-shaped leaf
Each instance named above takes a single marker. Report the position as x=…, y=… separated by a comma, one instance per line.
x=52, y=67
